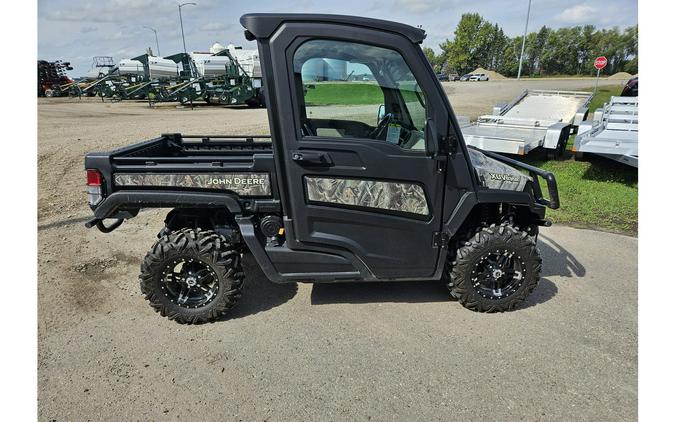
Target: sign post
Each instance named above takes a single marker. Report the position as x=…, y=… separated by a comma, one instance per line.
x=599, y=64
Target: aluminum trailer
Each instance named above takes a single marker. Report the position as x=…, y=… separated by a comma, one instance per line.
x=536, y=118
x=613, y=133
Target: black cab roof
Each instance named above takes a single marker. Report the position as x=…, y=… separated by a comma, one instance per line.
x=263, y=25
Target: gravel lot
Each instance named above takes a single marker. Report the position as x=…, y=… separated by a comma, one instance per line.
x=399, y=351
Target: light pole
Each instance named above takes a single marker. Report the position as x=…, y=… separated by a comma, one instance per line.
x=156, y=39
x=522, y=49
x=180, y=16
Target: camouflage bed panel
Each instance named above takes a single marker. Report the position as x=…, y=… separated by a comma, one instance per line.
x=244, y=184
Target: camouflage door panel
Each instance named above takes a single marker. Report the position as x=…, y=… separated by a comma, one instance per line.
x=393, y=196
x=244, y=184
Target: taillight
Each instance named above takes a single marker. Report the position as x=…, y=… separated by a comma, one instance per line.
x=94, y=191
x=93, y=178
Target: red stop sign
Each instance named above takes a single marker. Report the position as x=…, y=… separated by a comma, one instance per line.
x=600, y=62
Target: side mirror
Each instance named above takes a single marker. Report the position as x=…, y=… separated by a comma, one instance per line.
x=430, y=138
x=380, y=113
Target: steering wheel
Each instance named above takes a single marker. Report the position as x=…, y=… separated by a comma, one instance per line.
x=381, y=127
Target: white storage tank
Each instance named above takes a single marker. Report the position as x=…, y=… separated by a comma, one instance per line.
x=248, y=59
x=336, y=70
x=131, y=67
x=210, y=66
x=216, y=48
x=162, y=68
x=313, y=70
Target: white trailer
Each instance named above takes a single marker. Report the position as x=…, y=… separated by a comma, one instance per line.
x=613, y=133
x=536, y=118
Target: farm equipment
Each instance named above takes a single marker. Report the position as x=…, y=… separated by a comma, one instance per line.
x=138, y=77
x=185, y=88
x=228, y=81
x=52, y=78
x=536, y=118
x=613, y=133
x=218, y=77
x=100, y=67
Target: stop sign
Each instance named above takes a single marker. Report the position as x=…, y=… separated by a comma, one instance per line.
x=600, y=62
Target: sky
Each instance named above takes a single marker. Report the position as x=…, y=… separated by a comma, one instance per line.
x=77, y=30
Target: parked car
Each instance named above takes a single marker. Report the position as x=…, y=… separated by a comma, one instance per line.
x=465, y=77
x=479, y=77
x=442, y=77
x=631, y=88
x=453, y=77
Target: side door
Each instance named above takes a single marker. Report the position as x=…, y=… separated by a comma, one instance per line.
x=360, y=170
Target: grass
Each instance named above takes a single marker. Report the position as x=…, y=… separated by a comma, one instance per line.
x=602, y=96
x=343, y=93
x=597, y=193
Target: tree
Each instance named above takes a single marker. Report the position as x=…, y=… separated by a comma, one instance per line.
x=566, y=51
x=431, y=56
x=469, y=46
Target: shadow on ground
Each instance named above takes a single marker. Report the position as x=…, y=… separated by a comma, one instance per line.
x=606, y=170
x=260, y=294
x=545, y=291
x=368, y=292
x=558, y=261
x=63, y=223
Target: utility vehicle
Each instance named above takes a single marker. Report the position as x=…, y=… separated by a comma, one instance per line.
x=381, y=192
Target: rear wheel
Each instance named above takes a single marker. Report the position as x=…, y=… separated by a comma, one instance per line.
x=192, y=276
x=495, y=270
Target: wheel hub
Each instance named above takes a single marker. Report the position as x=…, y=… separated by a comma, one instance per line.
x=498, y=274
x=190, y=283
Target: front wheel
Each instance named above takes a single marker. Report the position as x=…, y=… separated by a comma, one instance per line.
x=495, y=270
x=192, y=276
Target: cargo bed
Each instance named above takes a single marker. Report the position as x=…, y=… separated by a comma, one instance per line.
x=181, y=170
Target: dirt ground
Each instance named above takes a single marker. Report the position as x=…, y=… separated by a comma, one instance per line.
x=312, y=352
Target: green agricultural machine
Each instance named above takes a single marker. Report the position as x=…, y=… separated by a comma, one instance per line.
x=228, y=76
x=227, y=82
x=185, y=88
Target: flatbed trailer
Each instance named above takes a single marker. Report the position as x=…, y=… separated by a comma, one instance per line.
x=613, y=133
x=536, y=118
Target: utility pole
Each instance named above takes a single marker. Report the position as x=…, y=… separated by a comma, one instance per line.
x=156, y=39
x=522, y=49
x=180, y=16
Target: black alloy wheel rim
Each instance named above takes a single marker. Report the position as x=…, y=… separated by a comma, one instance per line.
x=498, y=274
x=189, y=282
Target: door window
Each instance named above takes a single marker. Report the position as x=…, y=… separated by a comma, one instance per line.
x=355, y=90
